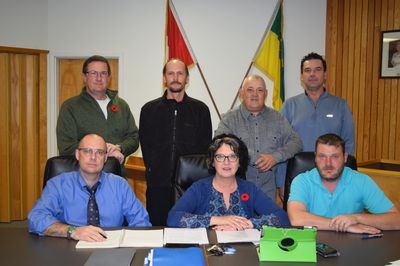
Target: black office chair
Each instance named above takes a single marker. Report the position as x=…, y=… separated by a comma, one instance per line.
x=302, y=162
x=67, y=163
x=189, y=169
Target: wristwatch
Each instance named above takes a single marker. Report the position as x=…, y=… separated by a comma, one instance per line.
x=70, y=231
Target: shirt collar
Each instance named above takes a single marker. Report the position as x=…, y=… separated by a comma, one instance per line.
x=165, y=99
x=82, y=182
x=247, y=114
x=324, y=93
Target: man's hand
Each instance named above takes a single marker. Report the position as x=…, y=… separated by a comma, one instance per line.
x=89, y=233
x=342, y=222
x=265, y=162
x=115, y=151
x=362, y=229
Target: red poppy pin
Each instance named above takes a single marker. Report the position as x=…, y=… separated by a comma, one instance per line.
x=114, y=108
x=244, y=197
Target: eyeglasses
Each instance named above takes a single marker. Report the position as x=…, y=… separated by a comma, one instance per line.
x=221, y=158
x=95, y=74
x=89, y=151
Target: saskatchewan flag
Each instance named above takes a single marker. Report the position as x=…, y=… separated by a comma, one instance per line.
x=269, y=58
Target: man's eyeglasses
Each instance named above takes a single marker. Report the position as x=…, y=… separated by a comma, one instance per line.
x=221, y=158
x=89, y=151
x=95, y=74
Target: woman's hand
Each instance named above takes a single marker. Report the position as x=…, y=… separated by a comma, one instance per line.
x=230, y=223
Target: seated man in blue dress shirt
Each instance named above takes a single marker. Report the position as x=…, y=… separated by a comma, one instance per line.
x=62, y=209
x=334, y=197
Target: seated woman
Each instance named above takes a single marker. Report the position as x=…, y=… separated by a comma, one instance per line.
x=224, y=201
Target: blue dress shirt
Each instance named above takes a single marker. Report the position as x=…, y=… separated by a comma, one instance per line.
x=64, y=200
x=330, y=114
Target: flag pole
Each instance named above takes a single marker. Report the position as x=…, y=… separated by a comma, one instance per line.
x=208, y=90
x=171, y=4
x=278, y=4
x=237, y=93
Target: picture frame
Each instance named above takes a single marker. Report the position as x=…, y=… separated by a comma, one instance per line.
x=390, y=54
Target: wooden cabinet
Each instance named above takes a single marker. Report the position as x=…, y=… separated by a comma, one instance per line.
x=386, y=173
x=135, y=172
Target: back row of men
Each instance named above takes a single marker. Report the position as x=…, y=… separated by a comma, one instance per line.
x=176, y=124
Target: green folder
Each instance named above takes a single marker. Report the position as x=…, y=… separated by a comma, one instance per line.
x=288, y=244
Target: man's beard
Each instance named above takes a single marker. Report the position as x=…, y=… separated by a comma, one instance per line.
x=334, y=178
x=176, y=90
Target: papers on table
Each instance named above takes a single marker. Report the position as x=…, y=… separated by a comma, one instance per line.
x=160, y=237
x=396, y=263
x=247, y=235
x=185, y=236
x=127, y=238
x=113, y=241
x=143, y=238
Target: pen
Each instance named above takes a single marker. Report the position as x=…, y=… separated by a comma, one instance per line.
x=364, y=237
x=103, y=235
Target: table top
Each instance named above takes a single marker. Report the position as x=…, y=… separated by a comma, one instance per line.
x=18, y=247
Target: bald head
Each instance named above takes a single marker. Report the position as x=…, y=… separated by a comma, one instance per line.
x=93, y=140
x=253, y=93
x=176, y=61
x=252, y=78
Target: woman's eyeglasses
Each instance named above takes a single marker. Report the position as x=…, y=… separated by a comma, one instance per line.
x=221, y=157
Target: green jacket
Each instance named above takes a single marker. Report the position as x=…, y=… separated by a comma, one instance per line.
x=81, y=115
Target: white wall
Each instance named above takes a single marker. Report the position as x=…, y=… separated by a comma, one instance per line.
x=224, y=36
x=23, y=23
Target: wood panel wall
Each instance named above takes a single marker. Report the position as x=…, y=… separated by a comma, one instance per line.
x=353, y=36
x=23, y=129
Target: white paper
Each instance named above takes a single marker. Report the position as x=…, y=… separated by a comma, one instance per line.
x=127, y=238
x=143, y=238
x=247, y=235
x=396, y=263
x=185, y=236
x=113, y=240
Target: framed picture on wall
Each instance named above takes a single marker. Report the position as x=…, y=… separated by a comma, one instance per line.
x=390, y=54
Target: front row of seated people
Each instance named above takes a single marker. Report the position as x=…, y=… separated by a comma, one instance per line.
x=330, y=196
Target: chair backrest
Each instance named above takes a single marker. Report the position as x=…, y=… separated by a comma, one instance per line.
x=67, y=163
x=302, y=162
x=189, y=169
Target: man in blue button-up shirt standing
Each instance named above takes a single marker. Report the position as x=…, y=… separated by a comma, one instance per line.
x=62, y=208
x=316, y=112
